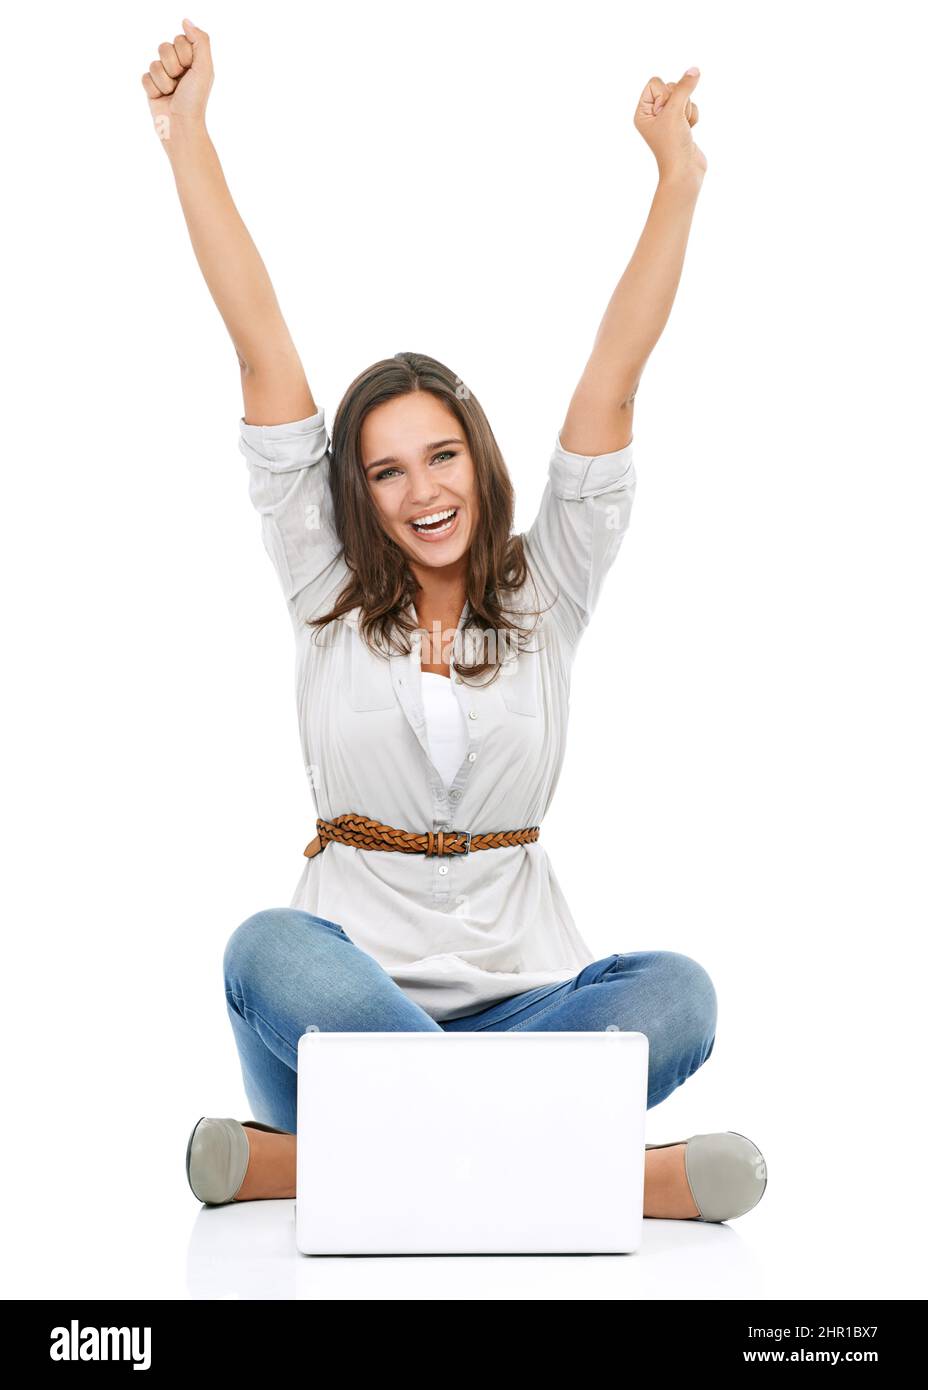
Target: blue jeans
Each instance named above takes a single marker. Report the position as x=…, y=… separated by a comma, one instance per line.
x=287, y=971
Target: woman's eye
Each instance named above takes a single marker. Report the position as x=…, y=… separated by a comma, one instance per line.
x=387, y=472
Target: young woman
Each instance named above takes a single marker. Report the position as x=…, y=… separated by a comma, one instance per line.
x=434, y=651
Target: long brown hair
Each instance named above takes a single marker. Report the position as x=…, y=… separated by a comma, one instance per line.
x=382, y=583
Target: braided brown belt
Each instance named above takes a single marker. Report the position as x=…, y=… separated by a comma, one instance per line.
x=364, y=833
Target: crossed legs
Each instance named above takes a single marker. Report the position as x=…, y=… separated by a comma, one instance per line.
x=286, y=971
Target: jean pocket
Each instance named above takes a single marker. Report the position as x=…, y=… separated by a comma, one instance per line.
x=517, y=1004
x=333, y=926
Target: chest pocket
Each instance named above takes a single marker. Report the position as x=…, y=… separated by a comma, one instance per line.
x=370, y=685
x=518, y=684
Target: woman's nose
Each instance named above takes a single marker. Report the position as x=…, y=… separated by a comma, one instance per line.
x=423, y=488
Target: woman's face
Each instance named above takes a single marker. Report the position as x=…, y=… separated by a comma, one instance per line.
x=421, y=477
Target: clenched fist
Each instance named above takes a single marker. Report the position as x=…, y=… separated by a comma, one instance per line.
x=664, y=119
x=178, y=82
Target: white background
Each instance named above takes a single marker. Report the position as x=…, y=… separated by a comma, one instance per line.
x=746, y=770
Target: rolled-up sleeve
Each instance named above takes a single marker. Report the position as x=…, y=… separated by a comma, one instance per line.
x=576, y=535
x=288, y=469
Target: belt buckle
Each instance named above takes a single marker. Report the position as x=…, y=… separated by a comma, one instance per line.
x=466, y=849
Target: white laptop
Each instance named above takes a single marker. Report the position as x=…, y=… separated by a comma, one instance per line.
x=470, y=1143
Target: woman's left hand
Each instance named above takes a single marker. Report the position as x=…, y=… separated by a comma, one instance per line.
x=664, y=118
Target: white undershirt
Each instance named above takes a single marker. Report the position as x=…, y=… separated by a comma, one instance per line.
x=445, y=724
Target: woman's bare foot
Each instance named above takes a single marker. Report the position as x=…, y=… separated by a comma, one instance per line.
x=666, y=1190
x=271, y=1168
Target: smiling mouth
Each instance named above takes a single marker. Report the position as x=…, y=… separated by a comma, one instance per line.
x=436, y=523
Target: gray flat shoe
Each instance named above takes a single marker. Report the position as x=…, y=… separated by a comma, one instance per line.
x=727, y=1174
x=217, y=1157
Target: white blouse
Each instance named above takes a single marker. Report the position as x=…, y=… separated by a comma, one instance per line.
x=459, y=932
x=444, y=723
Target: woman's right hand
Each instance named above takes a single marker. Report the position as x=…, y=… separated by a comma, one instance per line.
x=664, y=118
x=179, y=80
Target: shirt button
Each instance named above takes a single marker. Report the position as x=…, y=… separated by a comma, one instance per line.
x=472, y=714
x=455, y=796
x=443, y=868
x=471, y=757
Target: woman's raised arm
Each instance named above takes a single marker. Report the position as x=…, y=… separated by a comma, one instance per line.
x=274, y=385
x=599, y=419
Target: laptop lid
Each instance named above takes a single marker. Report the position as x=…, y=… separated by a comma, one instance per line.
x=507, y=1142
